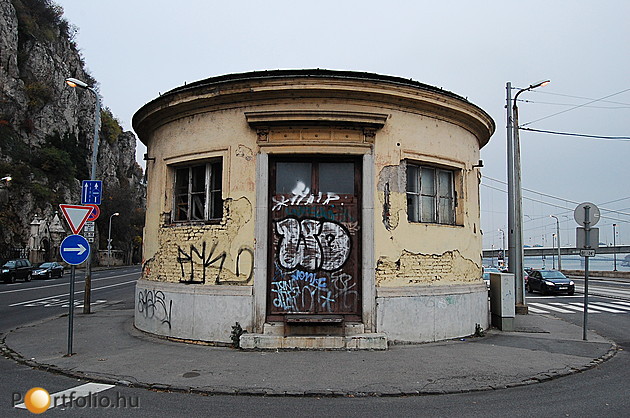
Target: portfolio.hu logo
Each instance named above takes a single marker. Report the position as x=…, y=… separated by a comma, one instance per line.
x=88, y=396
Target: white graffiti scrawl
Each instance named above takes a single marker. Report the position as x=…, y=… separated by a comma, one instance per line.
x=312, y=244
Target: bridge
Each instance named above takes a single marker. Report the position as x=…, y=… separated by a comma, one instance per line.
x=550, y=251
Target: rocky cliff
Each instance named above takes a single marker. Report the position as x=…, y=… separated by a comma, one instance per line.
x=46, y=134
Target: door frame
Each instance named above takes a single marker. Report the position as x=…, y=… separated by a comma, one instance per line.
x=367, y=259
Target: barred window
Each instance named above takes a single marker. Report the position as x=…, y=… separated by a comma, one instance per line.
x=197, y=192
x=430, y=194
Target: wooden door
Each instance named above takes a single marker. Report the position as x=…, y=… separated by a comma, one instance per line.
x=314, y=237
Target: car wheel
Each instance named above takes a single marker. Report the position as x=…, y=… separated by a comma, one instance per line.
x=11, y=279
x=571, y=293
x=529, y=288
x=28, y=277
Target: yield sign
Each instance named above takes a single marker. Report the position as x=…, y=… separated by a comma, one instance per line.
x=76, y=216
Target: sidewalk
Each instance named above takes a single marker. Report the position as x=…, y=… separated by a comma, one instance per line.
x=110, y=350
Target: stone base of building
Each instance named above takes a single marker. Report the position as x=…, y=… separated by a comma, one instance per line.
x=199, y=312
x=204, y=312
x=432, y=312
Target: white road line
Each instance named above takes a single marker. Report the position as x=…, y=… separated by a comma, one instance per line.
x=553, y=308
x=603, y=290
x=614, y=305
x=601, y=308
x=577, y=308
x=535, y=310
x=62, y=284
x=619, y=302
x=68, y=396
x=76, y=293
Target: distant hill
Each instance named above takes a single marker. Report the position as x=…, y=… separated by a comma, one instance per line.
x=46, y=133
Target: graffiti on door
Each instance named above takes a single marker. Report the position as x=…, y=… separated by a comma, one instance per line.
x=314, y=249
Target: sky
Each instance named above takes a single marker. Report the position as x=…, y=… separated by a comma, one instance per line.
x=137, y=49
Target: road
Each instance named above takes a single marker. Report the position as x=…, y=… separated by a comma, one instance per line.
x=601, y=391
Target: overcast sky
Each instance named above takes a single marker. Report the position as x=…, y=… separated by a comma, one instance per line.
x=139, y=48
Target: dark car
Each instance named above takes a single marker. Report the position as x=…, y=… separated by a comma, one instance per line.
x=549, y=281
x=20, y=268
x=48, y=270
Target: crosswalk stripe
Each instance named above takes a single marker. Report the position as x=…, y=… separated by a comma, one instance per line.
x=602, y=308
x=577, y=308
x=535, y=310
x=614, y=305
x=553, y=308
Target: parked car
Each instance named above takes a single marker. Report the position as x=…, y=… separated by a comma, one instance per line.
x=549, y=281
x=20, y=268
x=48, y=270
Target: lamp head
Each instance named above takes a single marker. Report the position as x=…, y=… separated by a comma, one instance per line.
x=7, y=178
x=539, y=84
x=74, y=82
x=116, y=214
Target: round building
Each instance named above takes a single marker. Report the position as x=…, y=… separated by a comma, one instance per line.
x=315, y=208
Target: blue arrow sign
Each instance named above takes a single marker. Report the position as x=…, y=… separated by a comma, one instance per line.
x=91, y=191
x=74, y=249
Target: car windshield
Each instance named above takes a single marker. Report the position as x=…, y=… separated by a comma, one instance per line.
x=9, y=264
x=46, y=265
x=553, y=275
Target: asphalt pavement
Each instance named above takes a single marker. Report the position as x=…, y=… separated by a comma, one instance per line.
x=108, y=349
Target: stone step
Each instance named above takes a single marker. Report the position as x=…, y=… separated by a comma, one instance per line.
x=365, y=341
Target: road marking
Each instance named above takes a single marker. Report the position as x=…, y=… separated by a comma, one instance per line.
x=76, y=293
x=578, y=307
x=601, y=308
x=614, y=305
x=70, y=395
x=535, y=310
x=60, y=284
x=553, y=308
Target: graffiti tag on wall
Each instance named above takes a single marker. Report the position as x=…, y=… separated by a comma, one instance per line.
x=212, y=261
x=153, y=305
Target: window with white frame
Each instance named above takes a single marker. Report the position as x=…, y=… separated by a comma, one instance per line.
x=431, y=195
x=197, y=192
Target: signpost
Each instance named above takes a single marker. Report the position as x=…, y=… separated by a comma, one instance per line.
x=74, y=250
x=587, y=239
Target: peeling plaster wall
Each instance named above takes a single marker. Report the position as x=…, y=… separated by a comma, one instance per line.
x=431, y=269
x=408, y=253
x=206, y=254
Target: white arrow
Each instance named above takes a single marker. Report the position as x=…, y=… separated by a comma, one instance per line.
x=79, y=250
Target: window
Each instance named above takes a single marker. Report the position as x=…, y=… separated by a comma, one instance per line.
x=197, y=194
x=430, y=194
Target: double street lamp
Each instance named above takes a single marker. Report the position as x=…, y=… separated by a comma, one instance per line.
x=515, y=196
x=75, y=83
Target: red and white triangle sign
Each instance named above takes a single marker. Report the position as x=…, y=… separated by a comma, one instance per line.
x=76, y=216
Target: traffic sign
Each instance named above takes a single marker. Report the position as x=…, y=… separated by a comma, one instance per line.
x=580, y=213
x=76, y=216
x=96, y=211
x=74, y=249
x=91, y=192
x=587, y=253
x=89, y=227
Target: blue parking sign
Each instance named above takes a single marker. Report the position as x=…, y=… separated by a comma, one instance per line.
x=91, y=191
x=74, y=249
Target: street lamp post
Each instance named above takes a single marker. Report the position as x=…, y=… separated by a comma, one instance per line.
x=73, y=82
x=558, y=236
x=615, y=245
x=515, y=198
x=109, y=239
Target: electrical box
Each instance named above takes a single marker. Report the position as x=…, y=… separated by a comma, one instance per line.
x=502, y=300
